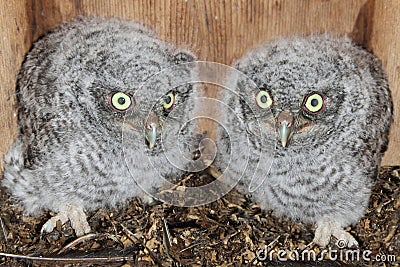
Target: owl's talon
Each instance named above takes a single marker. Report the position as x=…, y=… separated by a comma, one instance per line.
x=149, y=200
x=52, y=223
x=322, y=236
x=74, y=214
x=327, y=229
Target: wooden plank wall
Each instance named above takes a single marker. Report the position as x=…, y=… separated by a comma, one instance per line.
x=216, y=30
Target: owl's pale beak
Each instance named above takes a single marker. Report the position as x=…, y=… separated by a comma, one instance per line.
x=284, y=133
x=151, y=130
x=284, y=123
x=151, y=134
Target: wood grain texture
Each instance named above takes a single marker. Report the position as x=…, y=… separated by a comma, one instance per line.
x=385, y=43
x=13, y=45
x=219, y=31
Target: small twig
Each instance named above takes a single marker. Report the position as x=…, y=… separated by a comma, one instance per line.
x=115, y=239
x=391, y=232
x=206, y=219
x=226, y=239
x=86, y=238
x=133, y=238
x=129, y=234
x=191, y=246
x=77, y=241
x=3, y=230
x=232, y=205
x=166, y=236
x=185, y=179
x=381, y=205
x=178, y=185
x=78, y=259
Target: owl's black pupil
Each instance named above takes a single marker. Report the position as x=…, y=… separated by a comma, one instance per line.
x=168, y=99
x=121, y=100
x=264, y=99
x=314, y=102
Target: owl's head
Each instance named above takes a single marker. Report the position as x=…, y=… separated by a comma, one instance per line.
x=162, y=97
x=311, y=91
x=122, y=76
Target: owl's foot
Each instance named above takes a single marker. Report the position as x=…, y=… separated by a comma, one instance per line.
x=74, y=214
x=326, y=229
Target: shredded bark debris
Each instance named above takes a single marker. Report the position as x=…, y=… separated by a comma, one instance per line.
x=231, y=231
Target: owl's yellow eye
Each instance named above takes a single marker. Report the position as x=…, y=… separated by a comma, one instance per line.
x=263, y=99
x=169, y=101
x=119, y=101
x=314, y=103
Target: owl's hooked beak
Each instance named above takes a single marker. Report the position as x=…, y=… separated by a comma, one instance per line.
x=151, y=134
x=151, y=130
x=284, y=125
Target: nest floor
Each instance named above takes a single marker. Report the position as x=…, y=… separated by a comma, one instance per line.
x=232, y=231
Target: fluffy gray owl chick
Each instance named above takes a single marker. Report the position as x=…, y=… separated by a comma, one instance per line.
x=78, y=94
x=324, y=105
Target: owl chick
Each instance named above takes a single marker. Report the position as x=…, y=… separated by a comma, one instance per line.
x=80, y=90
x=322, y=110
